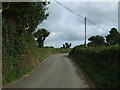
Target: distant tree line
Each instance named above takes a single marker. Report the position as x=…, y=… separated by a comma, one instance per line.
x=112, y=38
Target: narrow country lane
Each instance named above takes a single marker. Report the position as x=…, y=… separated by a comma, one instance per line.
x=58, y=71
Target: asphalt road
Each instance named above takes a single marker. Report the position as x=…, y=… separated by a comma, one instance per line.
x=58, y=71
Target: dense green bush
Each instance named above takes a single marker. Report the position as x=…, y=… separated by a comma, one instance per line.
x=16, y=53
x=102, y=63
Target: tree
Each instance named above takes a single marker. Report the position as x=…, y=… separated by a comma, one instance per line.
x=96, y=41
x=41, y=35
x=66, y=45
x=63, y=46
x=25, y=13
x=113, y=37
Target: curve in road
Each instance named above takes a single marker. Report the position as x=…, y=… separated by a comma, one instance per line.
x=58, y=71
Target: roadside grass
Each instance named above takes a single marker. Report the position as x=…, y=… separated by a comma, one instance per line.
x=17, y=66
x=101, y=63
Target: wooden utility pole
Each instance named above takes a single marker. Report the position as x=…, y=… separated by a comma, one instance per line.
x=85, y=32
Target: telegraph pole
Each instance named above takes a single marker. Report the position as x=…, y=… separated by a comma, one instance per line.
x=85, y=32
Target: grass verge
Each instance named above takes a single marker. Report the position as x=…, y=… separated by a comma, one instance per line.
x=15, y=67
x=101, y=63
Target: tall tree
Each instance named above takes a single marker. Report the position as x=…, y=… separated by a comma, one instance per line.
x=41, y=35
x=96, y=41
x=113, y=37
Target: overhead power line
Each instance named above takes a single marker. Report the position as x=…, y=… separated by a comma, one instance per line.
x=80, y=16
x=68, y=9
x=97, y=25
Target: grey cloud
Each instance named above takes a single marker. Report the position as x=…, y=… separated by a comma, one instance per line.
x=65, y=26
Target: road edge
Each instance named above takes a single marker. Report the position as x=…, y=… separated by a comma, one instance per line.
x=26, y=75
x=86, y=75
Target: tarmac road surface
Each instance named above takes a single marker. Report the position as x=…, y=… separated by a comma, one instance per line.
x=58, y=71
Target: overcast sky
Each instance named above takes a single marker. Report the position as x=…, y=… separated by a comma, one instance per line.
x=65, y=26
